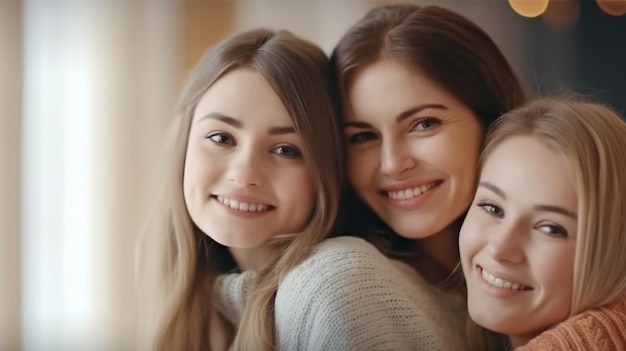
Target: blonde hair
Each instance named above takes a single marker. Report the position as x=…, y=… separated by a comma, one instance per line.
x=178, y=263
x=592, y=139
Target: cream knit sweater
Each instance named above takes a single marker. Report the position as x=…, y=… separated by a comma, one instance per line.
x=601, y=329
x=348, y=296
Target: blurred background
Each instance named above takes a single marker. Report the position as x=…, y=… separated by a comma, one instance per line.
x=87, y=88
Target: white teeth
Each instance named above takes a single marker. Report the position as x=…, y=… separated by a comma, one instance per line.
x=242, y=206
x=410, y=193
x=501, y=283
x=234, y=204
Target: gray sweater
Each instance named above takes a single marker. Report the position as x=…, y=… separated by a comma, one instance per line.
x=349, y=296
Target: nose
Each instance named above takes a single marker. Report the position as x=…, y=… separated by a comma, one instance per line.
x=396, y=158
x=246, y=169
x=506, y=243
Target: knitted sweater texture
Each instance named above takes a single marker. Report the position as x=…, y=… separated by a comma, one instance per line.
x=349, y=296
x=601, y=329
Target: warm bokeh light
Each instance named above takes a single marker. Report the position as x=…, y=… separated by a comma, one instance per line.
x=562, y=14
x=613, y=7
x=529, y=8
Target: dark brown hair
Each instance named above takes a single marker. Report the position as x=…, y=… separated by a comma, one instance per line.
x=451, y=50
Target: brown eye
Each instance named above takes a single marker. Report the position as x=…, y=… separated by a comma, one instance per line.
x=221, y=138
x=361, y=137
x=554, y=230
x=288, y=151
x=491, y=209
x=426, y=123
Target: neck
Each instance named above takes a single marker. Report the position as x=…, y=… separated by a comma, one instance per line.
x=515, y=341
x=441, y=251
x=257, y=258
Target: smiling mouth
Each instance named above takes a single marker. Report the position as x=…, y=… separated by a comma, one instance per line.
x=502, y=283
x=410, y=193
x=241, y=205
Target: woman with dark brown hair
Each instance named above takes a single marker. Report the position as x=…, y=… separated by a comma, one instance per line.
x=419, y=87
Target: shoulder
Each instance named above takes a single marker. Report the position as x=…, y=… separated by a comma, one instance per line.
x=601, y=328
x=348, y=296
x=345, y=244
x=347, y=247
x=342, y=258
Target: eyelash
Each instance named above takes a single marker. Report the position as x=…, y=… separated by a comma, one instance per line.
x=554, y=230
x=221, y=135
x=368, y=136
x=559, y=231
x=421, y=121
x=362, y=137
x=282, y=150
x=294, y=152
x=490, y=208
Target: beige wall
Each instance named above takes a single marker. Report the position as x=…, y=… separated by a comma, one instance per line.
x=10, y=128
x=100, y=80
x=322, y=22
x=203, y=24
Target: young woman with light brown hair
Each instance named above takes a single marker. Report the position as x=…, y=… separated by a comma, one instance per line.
x=252, y=185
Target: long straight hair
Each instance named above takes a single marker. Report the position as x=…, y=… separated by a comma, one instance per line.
x=592, y=140
x=178, y=263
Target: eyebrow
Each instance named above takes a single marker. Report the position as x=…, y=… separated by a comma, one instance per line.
x=237, y=124
x=557, y=209
x=548, y=208
x=400, y=117
x=281, y=130
x=493, y=188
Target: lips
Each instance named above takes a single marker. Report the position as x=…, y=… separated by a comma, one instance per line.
x=411, y=192
x=242, y=205
x=499, y=282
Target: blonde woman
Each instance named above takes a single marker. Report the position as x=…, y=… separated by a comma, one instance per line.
x=543, y=244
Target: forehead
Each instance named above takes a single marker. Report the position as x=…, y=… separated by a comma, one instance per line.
x=528, y=168
x=389, y=87
x=243, y=93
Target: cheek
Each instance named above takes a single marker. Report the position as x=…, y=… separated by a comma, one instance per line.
x=308, y=192
x=298, y=186
x=464, y=171
x=465, y=163
x=457, y=157
x=556, y=269
x=362, y=166
x=193, y=170
x=189, y=172
x=556, y=276
x=470, y=238
x=300, y=197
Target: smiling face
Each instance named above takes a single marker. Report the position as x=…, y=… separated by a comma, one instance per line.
x=518, y=240
x=245, y=179
x=412, y=149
